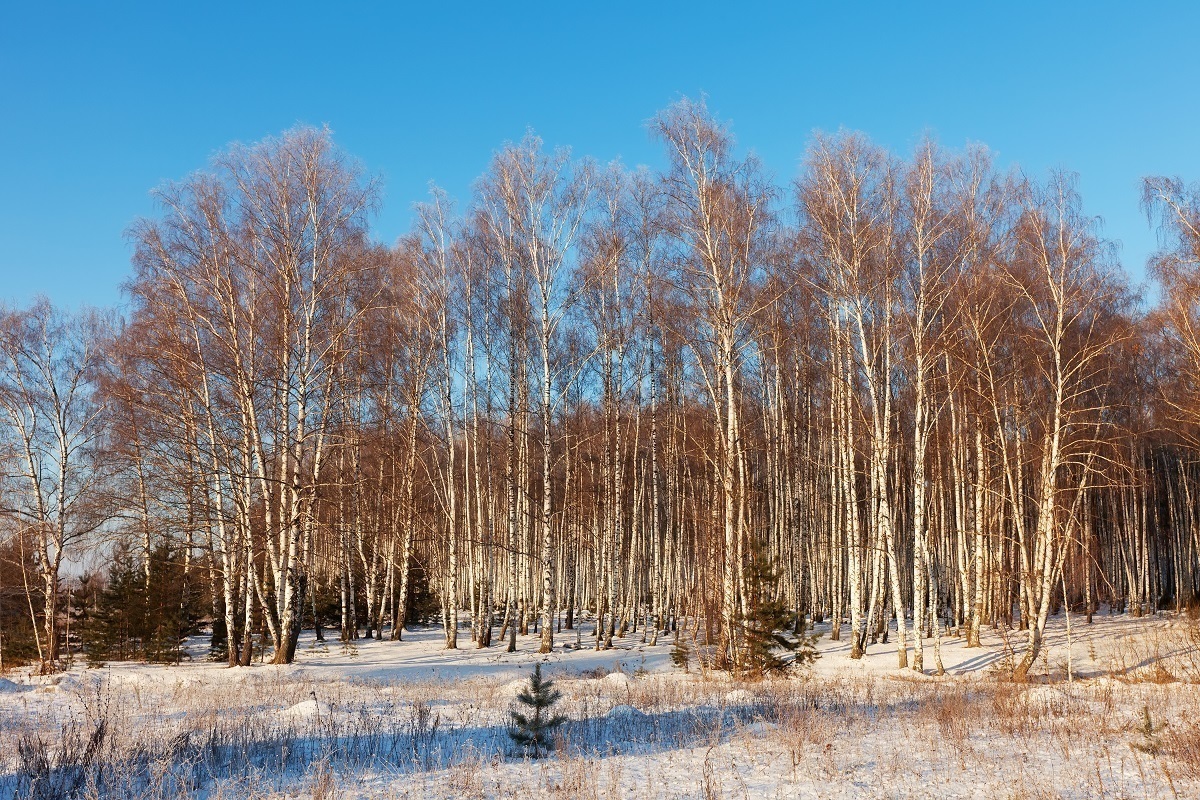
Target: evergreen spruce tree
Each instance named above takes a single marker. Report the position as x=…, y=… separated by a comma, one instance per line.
x=132, y=620
x=173, y=608
x=108, y=627
x=17, y=635
x=681, y=653
x=219, y=641
x=766, y=643
x=533, y=731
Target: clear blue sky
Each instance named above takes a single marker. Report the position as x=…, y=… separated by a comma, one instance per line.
x=101, y=102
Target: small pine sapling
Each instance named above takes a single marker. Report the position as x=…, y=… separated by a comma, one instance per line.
x=534, y=731
x=1149, y=731
x=681, y=653
x=765, y=638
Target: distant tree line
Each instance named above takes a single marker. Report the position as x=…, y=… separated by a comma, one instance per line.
x=688, y=402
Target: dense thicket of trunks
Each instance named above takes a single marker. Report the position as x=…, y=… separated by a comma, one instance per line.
x=921, y=389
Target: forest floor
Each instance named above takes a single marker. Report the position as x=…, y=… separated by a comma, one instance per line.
x=1116, y=715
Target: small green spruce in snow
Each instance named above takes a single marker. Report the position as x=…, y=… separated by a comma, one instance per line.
x=765, y=643
x=1149, y=731
x=681, y=653
x=533, y=726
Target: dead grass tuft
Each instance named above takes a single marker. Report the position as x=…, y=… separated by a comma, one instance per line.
x=1182, y=745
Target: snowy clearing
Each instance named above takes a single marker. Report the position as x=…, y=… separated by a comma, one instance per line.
x=381, y=719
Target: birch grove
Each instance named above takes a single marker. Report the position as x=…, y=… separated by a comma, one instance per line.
x=910, y=396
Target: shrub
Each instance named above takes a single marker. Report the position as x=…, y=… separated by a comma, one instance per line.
x=534, y=731
x=765, y=643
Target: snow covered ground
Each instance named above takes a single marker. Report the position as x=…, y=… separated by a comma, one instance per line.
x=1119, y=718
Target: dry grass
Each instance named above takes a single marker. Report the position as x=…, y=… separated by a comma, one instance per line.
x=1163, y=651
x=271, y=735
x=1182, y=744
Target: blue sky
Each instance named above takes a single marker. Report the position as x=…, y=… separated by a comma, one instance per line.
x=99, y=103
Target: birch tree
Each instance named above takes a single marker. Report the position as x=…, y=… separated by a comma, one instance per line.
x=719, y=209
x=55, y=428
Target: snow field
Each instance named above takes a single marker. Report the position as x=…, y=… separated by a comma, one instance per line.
x=410, y=720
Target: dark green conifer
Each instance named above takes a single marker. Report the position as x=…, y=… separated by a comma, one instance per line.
x=681, y=653
x=767, y=645
x=135, y=618
x=534, y=731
